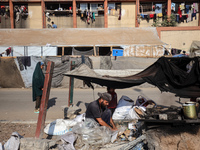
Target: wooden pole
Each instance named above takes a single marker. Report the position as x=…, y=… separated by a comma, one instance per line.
x=95, y=53
x=63, y=51
x=43, y=14
x=44, y=100
x=105, y=13
x=71, y=85
x=111, y=49
x=11, y=14
x=137, y=12
x=74, y=14
x=169, y=2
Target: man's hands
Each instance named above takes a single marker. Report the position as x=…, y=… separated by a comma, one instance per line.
x=101, y=122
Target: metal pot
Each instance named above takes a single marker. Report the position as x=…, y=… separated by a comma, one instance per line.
x=189, y=110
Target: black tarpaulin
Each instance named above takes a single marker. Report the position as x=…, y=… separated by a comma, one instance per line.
x=168, y=74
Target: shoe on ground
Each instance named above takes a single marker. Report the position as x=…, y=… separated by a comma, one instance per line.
x=36, y=111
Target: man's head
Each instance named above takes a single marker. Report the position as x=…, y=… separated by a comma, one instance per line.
x=52, y=22
x=104, y=99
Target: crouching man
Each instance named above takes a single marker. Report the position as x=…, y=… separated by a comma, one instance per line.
x=98, y=111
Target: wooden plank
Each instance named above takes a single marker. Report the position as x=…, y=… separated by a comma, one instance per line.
x=43, y=14
x=105, y=13
x=44, y=100
x=11, y=14
x=74, y=14
x=111, y=49
x=63, y=51
x=169, y=2
x=95, y=53
x=137, y=12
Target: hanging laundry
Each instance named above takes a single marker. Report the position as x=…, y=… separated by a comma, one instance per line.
x=194, y=15
x=159, y=15
x=154, y=18
x=182, y=6
x=180, y=12
x=26, y=61
x=196, y=8
x=184, y=18
x=21, y=66
x=158, y=8
x=189, y=17
x=93, y=16
x=187, y=8
x=151, y=16
x=176, y=8
x=177, y=18
x=147, y=18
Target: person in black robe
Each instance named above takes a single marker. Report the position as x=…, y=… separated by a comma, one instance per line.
x=37, y=85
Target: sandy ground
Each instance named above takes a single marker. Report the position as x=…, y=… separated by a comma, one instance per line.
x=25, y=130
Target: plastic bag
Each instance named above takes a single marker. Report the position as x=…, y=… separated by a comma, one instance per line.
x=90, y=133
x=132, y=114
x=13, y=142
x=80, y=118
x=123, y=107
x=1, y=147
x=59, y=127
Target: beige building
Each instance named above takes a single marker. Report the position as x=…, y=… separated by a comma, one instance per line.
x=39, y=14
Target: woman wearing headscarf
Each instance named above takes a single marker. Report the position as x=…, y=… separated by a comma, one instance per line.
x=37, y=85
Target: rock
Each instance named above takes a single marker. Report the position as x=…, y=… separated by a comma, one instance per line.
x=71, y=112
x=36, y=144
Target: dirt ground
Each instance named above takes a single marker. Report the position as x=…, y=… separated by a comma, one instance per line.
x=158, y=137
x=25, y=130
x=174, y=137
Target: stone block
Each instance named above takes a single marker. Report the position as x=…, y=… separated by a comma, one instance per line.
x=36, y=144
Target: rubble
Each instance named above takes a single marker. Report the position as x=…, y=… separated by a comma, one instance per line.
x=33, y=144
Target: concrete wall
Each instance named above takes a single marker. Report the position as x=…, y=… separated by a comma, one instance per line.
x=5, y=22
x=144, y=23
x=180, y=39
x=34, y=16
x=127, y=16
x=61, y=21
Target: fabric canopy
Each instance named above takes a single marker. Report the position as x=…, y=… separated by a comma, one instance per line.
x=168, y=74
x=80, y=37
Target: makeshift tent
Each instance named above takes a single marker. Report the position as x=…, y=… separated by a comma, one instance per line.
x=168, y=74
x=195, y=48
x=9, y=74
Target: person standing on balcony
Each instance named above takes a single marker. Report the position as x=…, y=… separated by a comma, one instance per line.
x=53, y=25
